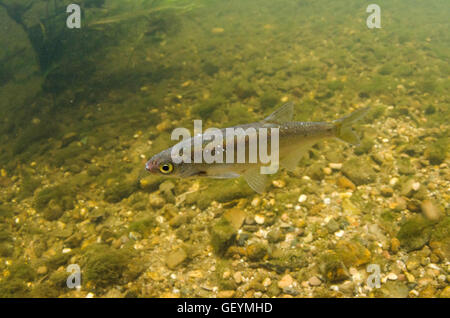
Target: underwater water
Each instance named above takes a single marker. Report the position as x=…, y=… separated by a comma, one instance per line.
x=83, y=109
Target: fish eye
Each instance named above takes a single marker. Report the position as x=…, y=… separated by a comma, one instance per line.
x=166, y=168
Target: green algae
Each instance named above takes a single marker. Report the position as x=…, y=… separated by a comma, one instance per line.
x=332, y=267
x=105, y=266
x=15, y=284
x=222, y=235
x=359, y=171
x=269, y=100
x=437, y=151
x=414, y=233
x=120, y=191
x=34, y=134
x=143, y=225
x=364, y=147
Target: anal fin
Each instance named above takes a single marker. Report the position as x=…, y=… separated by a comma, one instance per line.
x=255, y=179
x=290, y=160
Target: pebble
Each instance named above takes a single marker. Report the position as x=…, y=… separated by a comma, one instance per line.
x=339, y=233
x=236, y=217
x=176, y=258
x=335, y=166
x=226, y=294
x=395, y=245
x=42, y=270
x=392, y=276
x=267, y=282
x=393, y=181
x=279, y=183
x=327, y=171
x=386, y=191
x=237, y=277
x=345, y=183
x=217, y=30
x=156, y=200
x=302, y=198
x=446, y=292
x=259, y=219
x=256, y=202
x=314, y=281
x=285, y=281
x=430, y=210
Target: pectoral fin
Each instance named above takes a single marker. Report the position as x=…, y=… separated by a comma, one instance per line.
x=255, y=179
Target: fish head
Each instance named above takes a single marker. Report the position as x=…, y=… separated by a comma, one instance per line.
x=162, y=164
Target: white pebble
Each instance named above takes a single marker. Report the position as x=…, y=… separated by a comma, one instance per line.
x=339, y=233
x=302, y=198
x=335, y=166
x=416, y=186
x=392, y=276
x=327, y=201
x=259, y=219
x=90, y=295
x=393, y=181
x=66, y=250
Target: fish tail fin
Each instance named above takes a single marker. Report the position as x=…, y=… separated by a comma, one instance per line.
x=344, y=130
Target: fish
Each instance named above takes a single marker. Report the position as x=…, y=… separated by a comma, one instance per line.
x=294, y=140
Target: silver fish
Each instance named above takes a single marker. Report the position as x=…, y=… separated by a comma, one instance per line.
x=295, y=138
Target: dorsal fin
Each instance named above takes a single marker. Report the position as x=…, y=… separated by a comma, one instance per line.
x=283, y=114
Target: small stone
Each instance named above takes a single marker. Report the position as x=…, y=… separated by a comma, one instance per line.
x=267, y=282
x=217, y=30
x=156, y=200
x=256, y=202
x=256, y=251
x=163, y=126
x=395, y=245
x=285, y=281
x=42, y=270
x=236, y=217
x=237, y=277
x=335, y=166
x=279, y=183
x=392, y=276
x=176, y=258
x=275, y=236
x=226, y=294
x=393, y=181
x=332, y=226
x=314, y=281
x=386, y=191
x=259, y=219
x=431, y=211
x=445, y=293
x=428, y=292
x=409, y=188
x=412, y=264
x=302, y=198
x=327, y=171
x=345, y=183
x=410, y=277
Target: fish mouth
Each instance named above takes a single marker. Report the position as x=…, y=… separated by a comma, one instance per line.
x=150, y=166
